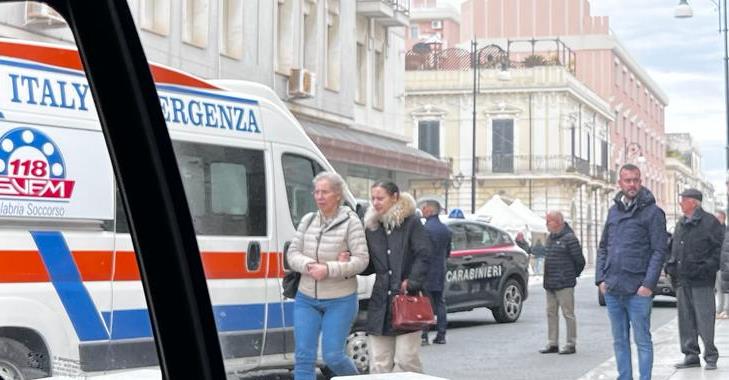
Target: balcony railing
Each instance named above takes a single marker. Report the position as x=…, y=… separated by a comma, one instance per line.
x=551, y=52
x=525, y=164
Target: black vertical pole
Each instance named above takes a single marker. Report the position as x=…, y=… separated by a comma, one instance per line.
x=726, y=90
x=474, y=66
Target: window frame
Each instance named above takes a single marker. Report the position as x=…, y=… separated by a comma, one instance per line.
x=151, y=188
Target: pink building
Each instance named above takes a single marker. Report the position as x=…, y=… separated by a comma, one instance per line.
x=431, y=22
x=602, y=63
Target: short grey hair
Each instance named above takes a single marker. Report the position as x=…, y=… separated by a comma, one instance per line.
x=556, y=214
x=334, y=179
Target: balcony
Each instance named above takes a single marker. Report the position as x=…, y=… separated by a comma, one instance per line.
x=386, y=12
x=540, y=165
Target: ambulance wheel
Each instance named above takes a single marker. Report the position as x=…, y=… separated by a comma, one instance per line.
x=512, y=298
x=15, y=361
x=357, y=349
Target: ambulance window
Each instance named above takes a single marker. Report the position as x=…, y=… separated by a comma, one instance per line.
x=299, y=172
x=225, y=188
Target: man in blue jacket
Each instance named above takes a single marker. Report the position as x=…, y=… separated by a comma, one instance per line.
x=630, y=257
x=440, y=237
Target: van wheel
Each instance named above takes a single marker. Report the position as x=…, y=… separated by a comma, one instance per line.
x=512, y=298
x=358, y=349
x=15, y=360
x=600, y=298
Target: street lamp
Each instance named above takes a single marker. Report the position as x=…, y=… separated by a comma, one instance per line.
x=683, y=10
x=475, y=63
x=449, y=182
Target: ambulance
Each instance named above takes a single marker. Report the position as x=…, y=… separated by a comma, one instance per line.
x=71, y=299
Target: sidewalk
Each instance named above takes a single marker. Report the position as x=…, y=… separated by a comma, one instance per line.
x=666, y=352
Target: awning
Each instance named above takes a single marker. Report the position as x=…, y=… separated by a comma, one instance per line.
x=357, y=147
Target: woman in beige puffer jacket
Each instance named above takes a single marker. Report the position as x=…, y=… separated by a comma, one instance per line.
x=329, y=250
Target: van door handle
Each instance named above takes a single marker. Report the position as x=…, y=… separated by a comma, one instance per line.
x=467, y=258
x=285, y=254
x=253, y=256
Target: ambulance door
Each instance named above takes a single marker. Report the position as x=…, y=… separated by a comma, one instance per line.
x=295, y=170
x=227, y=188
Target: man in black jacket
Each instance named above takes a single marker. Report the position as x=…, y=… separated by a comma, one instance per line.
x=440, y=238
x=692, y=265
x=562, y=265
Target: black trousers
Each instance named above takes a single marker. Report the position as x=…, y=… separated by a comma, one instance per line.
x=696, y=319
x=439, y=309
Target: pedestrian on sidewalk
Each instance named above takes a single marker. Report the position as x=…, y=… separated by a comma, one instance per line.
x=440, y=238
x=723, y=277
x=693, y=264
x=326, y=301
x=400, y=253
x=721, y=288
x=563, y=264
x=538, y=252
x=629, y=261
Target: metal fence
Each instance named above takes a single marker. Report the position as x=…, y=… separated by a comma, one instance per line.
x=554, y=164
x=551, y=52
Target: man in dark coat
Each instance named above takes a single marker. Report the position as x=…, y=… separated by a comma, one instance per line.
x=563, y=264
x=692, y=265
x=629, y=262
x=440, y=237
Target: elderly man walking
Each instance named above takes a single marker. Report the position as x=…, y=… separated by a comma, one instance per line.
x=692, y=265
x=440, y=237
x=629, y=261
x=563, y=264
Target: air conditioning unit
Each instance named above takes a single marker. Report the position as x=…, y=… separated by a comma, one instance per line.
x=302, y=83
x=42, y=16
x=436, y=24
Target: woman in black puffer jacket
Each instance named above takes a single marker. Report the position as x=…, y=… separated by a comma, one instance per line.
x=399, y=254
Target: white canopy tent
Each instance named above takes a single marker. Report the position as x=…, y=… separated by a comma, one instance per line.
x=535, y=222
x=500, y=215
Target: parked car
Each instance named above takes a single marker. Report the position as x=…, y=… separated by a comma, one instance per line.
x=663, y=288
x=486, y=269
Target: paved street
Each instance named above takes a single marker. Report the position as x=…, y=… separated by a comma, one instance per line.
x=480, y=348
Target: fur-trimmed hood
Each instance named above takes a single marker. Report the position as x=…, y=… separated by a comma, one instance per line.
x=404, y=207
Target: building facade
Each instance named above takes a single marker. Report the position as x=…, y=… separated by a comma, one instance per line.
x=337, y=65
x=431, y=21
x=540, y=137
x=683, y=171
x=603, y=64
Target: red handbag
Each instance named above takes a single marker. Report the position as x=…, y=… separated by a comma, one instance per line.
x=411, y=313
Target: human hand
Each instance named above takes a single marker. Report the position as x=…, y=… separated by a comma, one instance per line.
x=318, y=271
x=343, y=256
x=602, y=287
x=645, y=292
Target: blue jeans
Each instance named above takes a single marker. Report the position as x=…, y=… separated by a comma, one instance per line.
x=332, y=318
x=626, y=310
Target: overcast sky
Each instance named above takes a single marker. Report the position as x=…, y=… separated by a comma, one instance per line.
x=684, y=56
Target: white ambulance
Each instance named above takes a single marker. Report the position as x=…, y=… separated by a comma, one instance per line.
x=71, y=299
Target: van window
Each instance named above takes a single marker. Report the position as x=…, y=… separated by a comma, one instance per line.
x=299, y=172
x=225, y=188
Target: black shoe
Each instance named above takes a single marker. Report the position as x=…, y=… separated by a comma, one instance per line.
x=687, y=363
x=710, y=366
x=567, y=350
x=439, y=340
x=549, y=350
x=424, y=341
